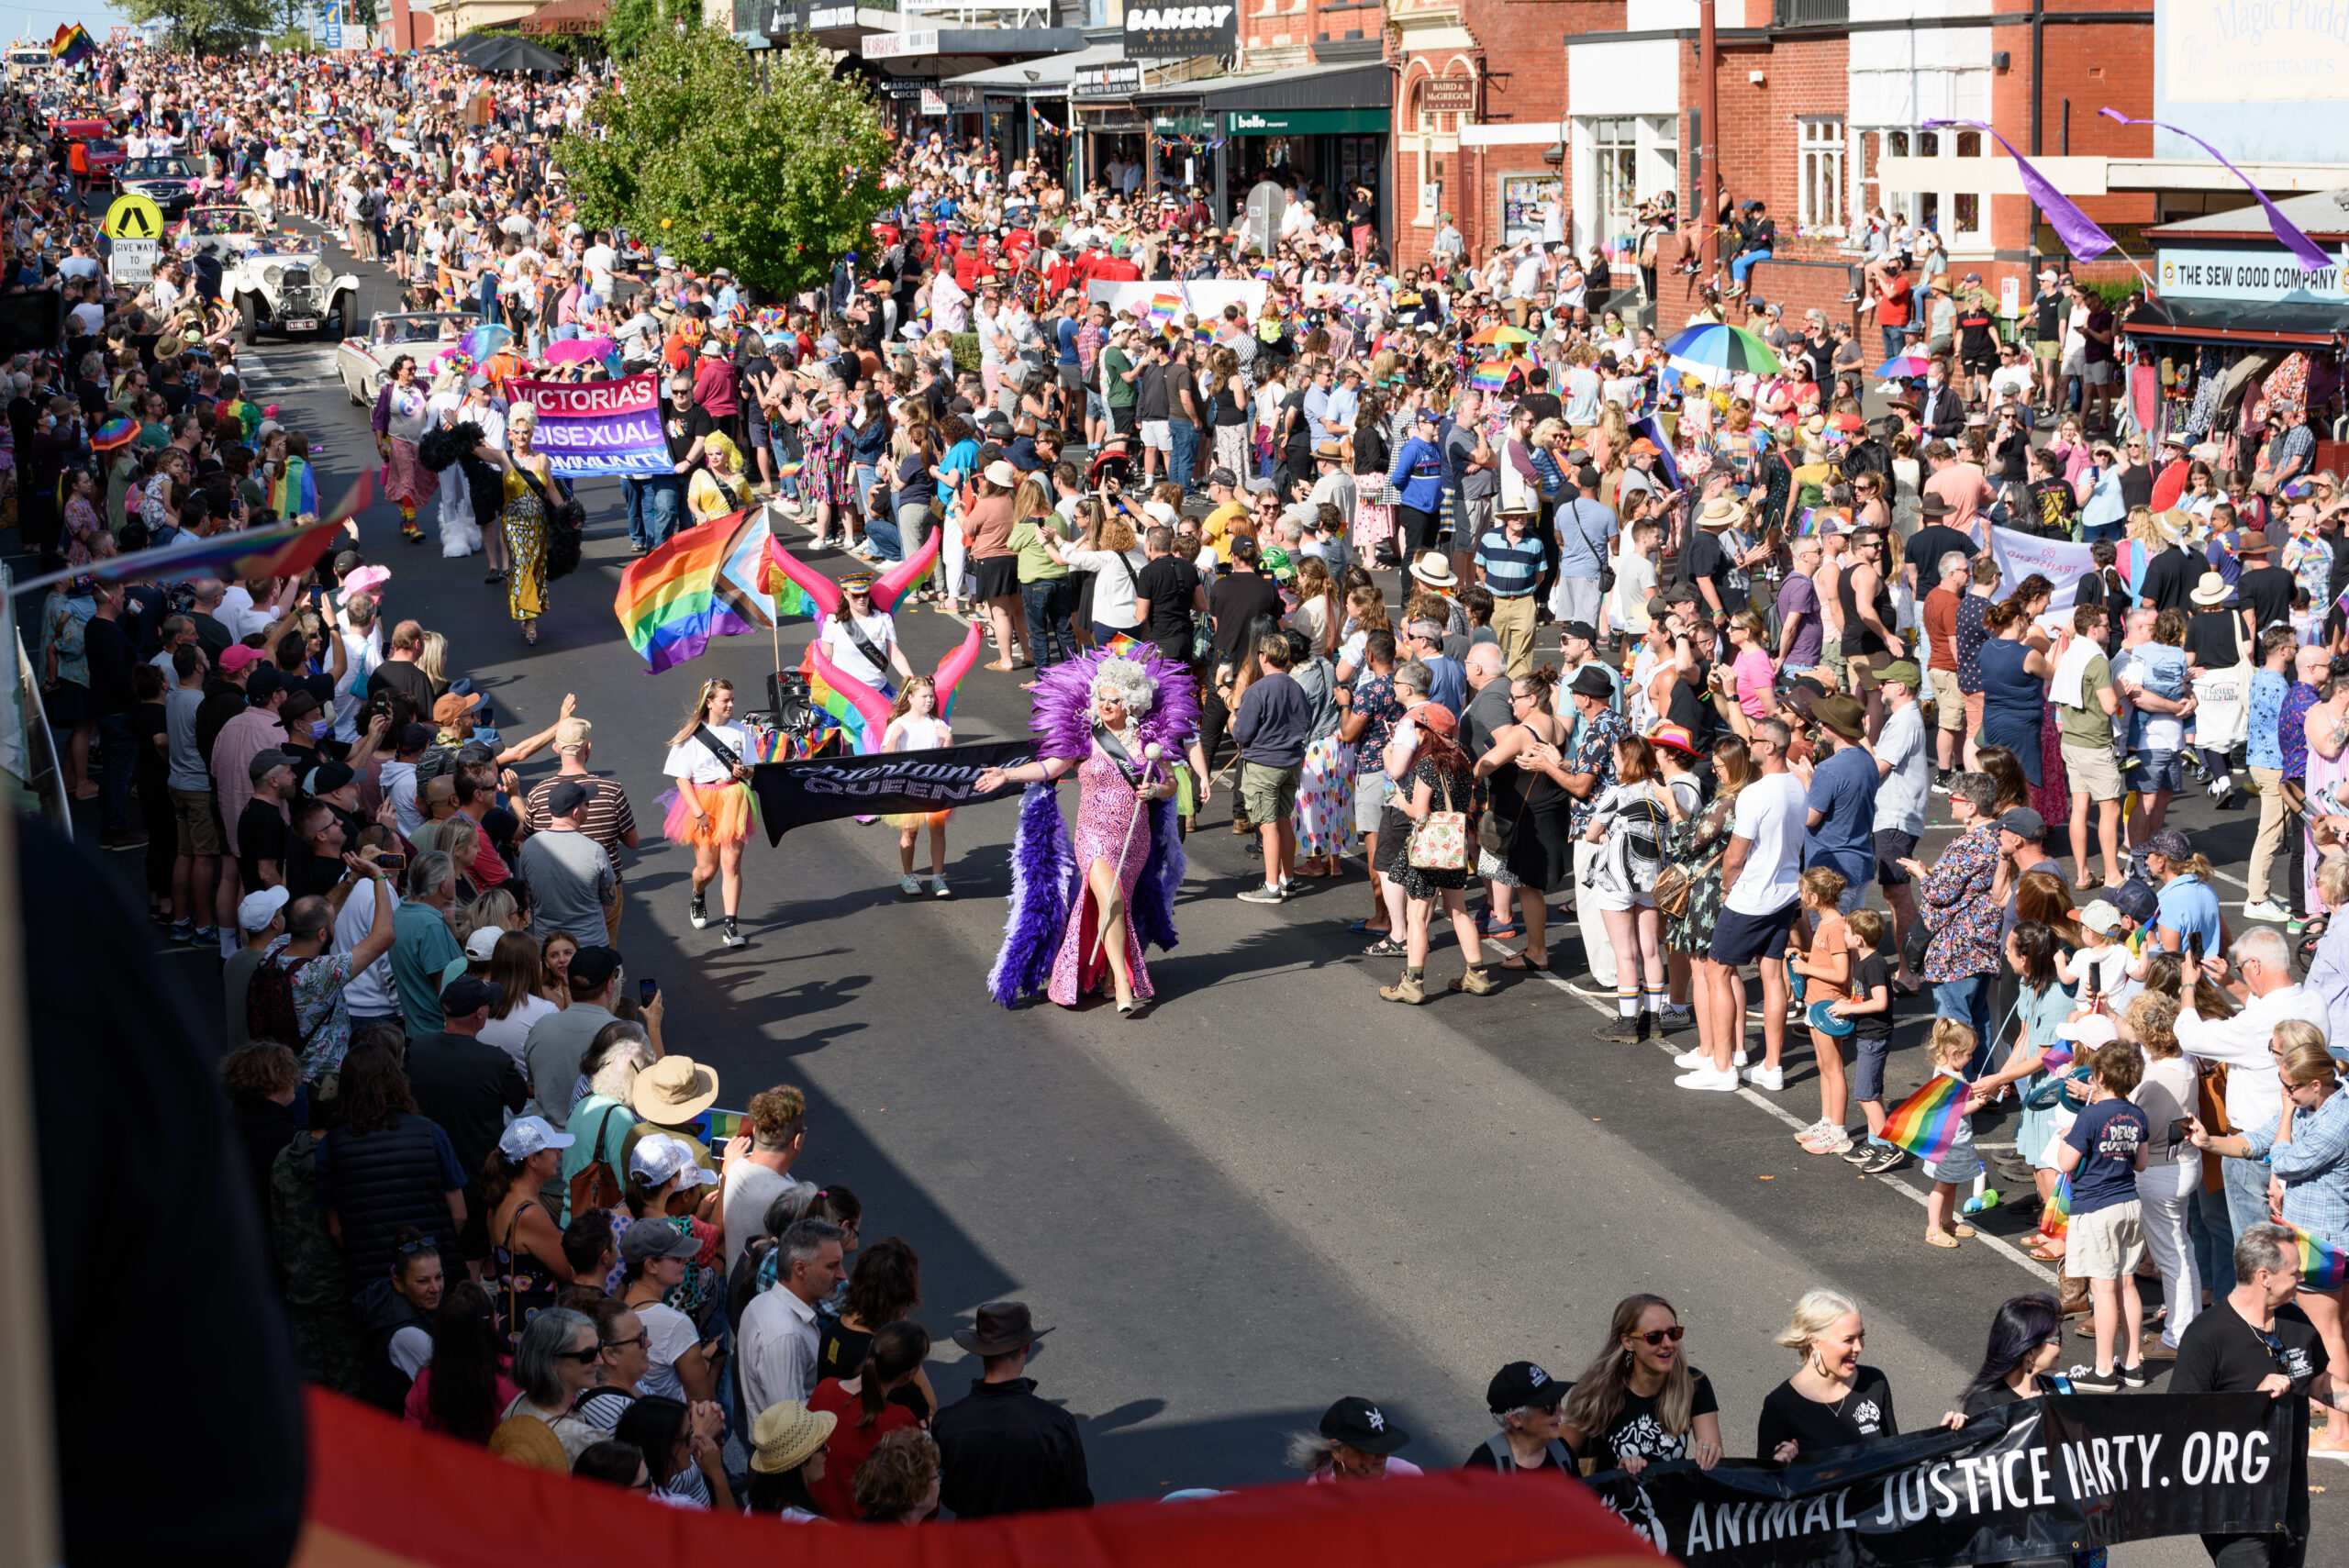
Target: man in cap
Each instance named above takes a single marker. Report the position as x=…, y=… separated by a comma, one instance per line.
x=2050, y=307
x=1360, y=1441
x=468, y=1087
x=261, y=920
x=1003, y=1451
x=1508, y=564
x=573, y=884
x=605, y=817
x=559, y=1041
x=1841, y=815
x=1709, y=564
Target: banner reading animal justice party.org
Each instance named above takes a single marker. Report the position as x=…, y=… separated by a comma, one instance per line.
x=824, y=789
x=2041, y=1479
x=598, y=426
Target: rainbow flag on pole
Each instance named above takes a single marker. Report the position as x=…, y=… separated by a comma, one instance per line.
x=72, y=45
x=287, y=550
x=1928, y=1122
x=1489, y=376
x=2324, y=1267
x=710, y=581
x=2056, y=1218
x=1164, y=310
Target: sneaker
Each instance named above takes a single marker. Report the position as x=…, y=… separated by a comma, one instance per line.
x=1773, y=1079
x=909, y=884
x=2266, y=909
x=1941, y=783
x=1885, y=1156
x=208, y=936
x=1267, y=894
x=182, y=930
x=1288, y=886
x=1675, y=1019
x=2086, y=1380
x=2133, y=1376
x=1834, y=1140
x=731, y=936
x=1851, y=297
x=1861, y=1153
x=1709, y=1078
x=938, y=888
x=698, y=911
x=1737, y=1058
x=1689, y=1059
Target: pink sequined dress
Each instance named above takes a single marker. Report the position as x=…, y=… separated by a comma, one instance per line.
x=1105, y=805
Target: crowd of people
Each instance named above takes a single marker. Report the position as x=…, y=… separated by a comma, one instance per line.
x=1474, y=582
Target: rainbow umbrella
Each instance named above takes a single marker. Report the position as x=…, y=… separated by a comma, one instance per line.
x=1501, y=332
x=485, y=339
x=1902, y=367
x=1714, y=353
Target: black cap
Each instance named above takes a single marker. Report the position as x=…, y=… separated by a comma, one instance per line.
x=1581, y=628
x=2135, y=899
x=594, y=967
x=415, y=737
x=466, y=996
x=567, y=797
x=1357, y=1423
x=1522, y=1385
x=327, y=778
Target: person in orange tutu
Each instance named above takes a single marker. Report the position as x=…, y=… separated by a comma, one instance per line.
x=711, y=807
x=918, y=728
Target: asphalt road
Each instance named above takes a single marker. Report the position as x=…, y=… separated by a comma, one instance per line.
x=1273, y=1190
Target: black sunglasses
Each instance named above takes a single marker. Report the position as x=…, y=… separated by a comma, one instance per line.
x=583, y=1357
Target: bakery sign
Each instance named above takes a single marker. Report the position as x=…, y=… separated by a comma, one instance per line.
x=2254, y=277
x=1181, y=32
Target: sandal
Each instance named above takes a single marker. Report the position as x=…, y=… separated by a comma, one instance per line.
x=1385, y=946
x=1941, y=1239
x=2042, y=1255
x=1524, y=961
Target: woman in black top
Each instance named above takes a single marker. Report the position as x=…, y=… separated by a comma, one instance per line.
x=1640, y=1402
x=1832, y=1401
x=2026, y=1341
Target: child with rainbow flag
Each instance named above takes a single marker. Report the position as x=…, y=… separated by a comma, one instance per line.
x=1933, y=1125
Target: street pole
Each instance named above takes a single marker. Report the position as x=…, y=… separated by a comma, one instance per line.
x=1708, y=136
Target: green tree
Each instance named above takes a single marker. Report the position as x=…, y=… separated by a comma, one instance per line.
x=630, y=22
x=202, y=27
x=772, y=178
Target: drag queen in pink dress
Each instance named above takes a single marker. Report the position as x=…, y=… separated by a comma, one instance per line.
x=1096, y=716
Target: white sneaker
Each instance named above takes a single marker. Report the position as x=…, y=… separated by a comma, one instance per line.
x=1737, y=1057
x=1709, y=1078
x=2266, y=909
x=1771, y=1078
x=1693, y=1059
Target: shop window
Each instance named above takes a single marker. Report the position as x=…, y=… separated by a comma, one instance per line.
x=1616, y=145
x=1526, y=204
x=1821, y=156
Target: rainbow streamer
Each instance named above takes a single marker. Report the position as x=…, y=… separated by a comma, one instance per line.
x=844, y=715
x=2056, y=1218
x=1490, y=376
x=710, y=581
x=286, y=550
x=1928, y=1122
x=2324, y=1267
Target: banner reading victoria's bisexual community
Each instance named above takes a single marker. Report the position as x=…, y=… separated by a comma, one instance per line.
x=2041, y=1479
x=598, y=426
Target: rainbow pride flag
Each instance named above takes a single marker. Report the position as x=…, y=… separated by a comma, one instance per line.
x=1489, y=376
x=710, y=581
x=845, y=715
x=2056, y=1218
x=2324, y=1267
x=1164, y=310
x=72, y=45
x=287, y=550
x=1926, y=1124
x=1818, y=519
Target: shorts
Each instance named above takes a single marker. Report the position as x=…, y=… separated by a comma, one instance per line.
x=1856, y=667
x=1094, y=409
x=1157, y=435
x=2091, y=770
x=2108, y=1244
x=1831, y=660
x=2047, y=350
x=1071, y=377
x=1892, y=847
x=2162, y=771
x=1740, y=939
x=1979, y=365
x=1370, y=800
x=998, y=575
x=199, y=825
x=1122, y=418
x=2100, y=372
x=1867, y=1072
x=1948, y=703
x=1603, y=898
x=1394, y=840
x=1268, y=794
x=283, y=181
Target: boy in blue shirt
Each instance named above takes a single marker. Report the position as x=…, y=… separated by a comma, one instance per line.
x=2107, y=1146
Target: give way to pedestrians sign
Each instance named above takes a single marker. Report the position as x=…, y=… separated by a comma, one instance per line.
x=133, y=261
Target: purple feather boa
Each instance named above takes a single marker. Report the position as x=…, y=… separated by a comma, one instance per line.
x=1043, y=878
x=1162, y=878
x=1062, y=715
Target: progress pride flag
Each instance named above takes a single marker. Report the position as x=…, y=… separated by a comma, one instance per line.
x=598, y=426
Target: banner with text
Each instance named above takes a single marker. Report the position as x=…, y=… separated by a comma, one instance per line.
x=824, y=789
x=2062, y=562
x=1204, y=299
x=598, y=426
x=2043, y=1478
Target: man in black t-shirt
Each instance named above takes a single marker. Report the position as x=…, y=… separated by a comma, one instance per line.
x=1926, y=547
x=263, y=830
x=2265, y=588
x=2256, y=1340
x=1241, y=596
x=2169, y=580
x=1170, y=592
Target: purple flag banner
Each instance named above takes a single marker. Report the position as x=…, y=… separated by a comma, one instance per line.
x=2078, y=231
x=598, y=426
x=2311, y=254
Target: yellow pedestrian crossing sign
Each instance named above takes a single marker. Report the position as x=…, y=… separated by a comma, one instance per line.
x=135, y=216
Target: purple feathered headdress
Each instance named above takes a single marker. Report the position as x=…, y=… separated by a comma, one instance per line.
x=1063, y=716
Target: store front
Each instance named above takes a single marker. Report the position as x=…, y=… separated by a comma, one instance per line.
x=1319, y=130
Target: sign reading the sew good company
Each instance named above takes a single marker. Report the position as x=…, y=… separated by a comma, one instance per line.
x=1175, y=32
x=2251, y=276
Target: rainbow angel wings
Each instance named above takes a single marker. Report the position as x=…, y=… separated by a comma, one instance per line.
x=861, y=710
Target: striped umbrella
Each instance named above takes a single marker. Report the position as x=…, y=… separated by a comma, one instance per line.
x=1714, y=353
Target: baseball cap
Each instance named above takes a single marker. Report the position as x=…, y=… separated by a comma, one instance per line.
x=2171, y=845
x=2135, y=901
x=567, y=797
x=2091, y=1029
x=481, y=943
x=263, y=762
x=327, y=778
x=528, y=1135
x=1521, y=1384
x=594, y=967
x=1581, y=628
x=1904, y=672
x=2101, y=915
x=659, y=1158
x=470, y=995
x=1224, y=477
x=256, y=910
x=643, y=1243
x=1359, y=1424
x=236, y=656
x=264, y=684
x=2021, y=821
x=415, y=737
x=571, y=734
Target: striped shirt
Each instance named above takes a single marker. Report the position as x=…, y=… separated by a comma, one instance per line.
x=1512, y=570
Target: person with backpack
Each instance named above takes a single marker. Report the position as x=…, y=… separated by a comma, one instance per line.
x=1630, y=819
x=1530, y=1406
x=296, y=993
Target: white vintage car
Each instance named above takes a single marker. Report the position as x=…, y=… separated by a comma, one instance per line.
x=364, y=361
x=276, y=283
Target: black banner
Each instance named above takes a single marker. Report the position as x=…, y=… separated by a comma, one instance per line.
x=824, y=789
x=2046, y=1477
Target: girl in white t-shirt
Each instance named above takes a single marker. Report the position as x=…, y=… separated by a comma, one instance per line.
x=855, y=632
x=711, y=808
x=919, y=727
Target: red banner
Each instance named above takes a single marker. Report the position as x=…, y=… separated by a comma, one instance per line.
x=384, y=1495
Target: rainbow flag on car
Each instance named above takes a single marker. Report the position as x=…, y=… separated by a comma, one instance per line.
x=1926, y=1124
x=710, y=581
x=2324, y=1267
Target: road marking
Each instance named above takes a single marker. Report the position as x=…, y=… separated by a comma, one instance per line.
x=1753, y=1096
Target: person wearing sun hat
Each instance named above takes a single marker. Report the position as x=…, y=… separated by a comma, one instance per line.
x=787, y=1455
x=671, y=1095
x=1007, y=1450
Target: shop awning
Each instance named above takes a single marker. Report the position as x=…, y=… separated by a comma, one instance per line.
x=2215, y=321
x=568, y=16
x=1303, y=100
x=1047, y=78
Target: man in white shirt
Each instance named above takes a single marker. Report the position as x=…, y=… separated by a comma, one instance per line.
x=779, y=1334
x=600, y=258
x=1763, y=872
x=778, y=1119
x=2262, y=980
x=950, y=303
x=362, y=650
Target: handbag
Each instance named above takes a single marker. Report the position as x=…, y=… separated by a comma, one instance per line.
x=1439, y=841
x=595, y=1186
x=1674, y=889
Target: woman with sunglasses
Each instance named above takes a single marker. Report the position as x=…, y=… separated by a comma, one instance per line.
x=1831, y=1401
x=1640, y=1402
x=554, y=1363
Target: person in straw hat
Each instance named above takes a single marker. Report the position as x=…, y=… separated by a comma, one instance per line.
x=787, y=1453
x=669, y=1095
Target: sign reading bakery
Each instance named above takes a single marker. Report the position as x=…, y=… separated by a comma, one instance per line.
x=1181, y=32
x=2268, y=277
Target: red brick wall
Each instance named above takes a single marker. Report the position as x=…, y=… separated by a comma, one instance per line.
x=2093, y=65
